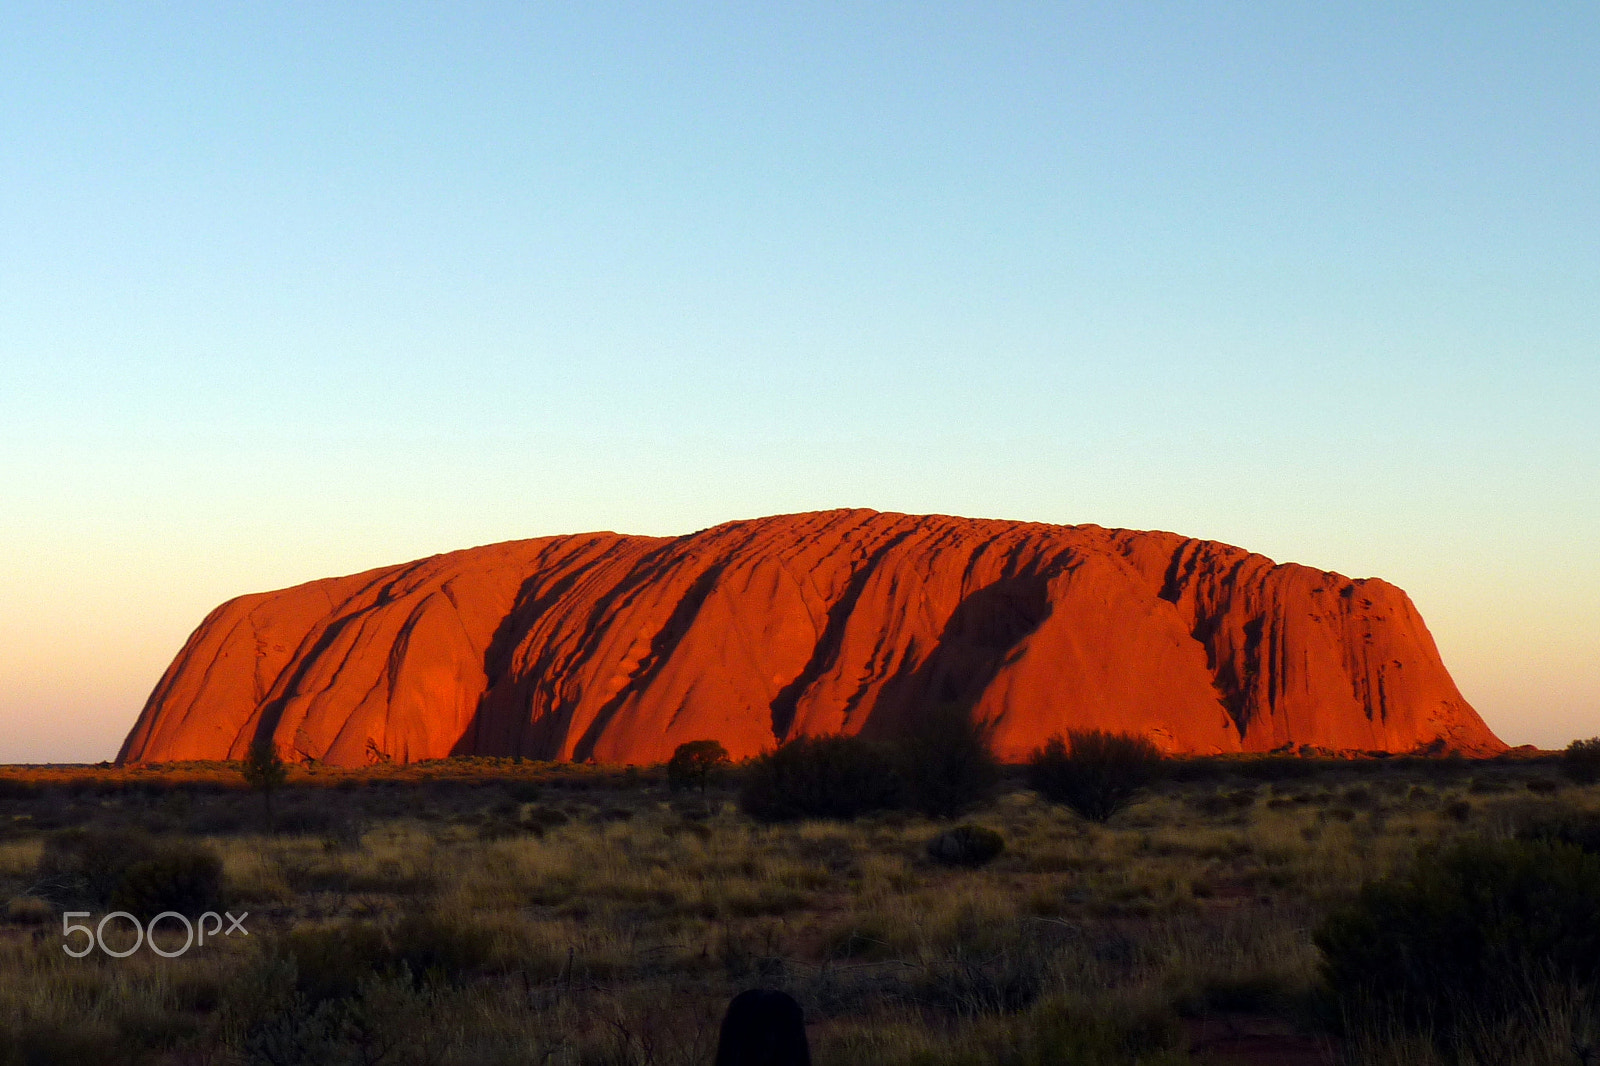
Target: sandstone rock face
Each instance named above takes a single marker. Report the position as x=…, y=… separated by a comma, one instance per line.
x=618, y=648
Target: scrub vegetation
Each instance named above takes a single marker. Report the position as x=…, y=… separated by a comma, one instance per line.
x=497, y=911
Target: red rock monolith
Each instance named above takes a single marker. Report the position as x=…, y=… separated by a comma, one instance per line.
x=619, y=648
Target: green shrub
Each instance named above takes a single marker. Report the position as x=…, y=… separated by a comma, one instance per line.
x=946, y=764
x=1581, y=761
x=1094, y=773
x=839, y=777
x=966, y=845
x=1463, y=933
x=693, y=763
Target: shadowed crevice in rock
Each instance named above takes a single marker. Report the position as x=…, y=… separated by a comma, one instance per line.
x=661, y=647
x=272, y=710
x=827, y=649
x=499, y=725
x=986, y=629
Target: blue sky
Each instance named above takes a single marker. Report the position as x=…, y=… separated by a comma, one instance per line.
x=295, y=290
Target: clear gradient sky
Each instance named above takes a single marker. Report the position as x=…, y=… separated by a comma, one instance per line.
x=294, y=290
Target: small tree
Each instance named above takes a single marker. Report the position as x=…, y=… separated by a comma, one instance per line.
x=1581, y=761
x=693, y=763
x=264, y=771
x=1095, y=773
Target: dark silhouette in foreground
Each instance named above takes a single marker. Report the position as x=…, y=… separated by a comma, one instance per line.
x=763, y=1027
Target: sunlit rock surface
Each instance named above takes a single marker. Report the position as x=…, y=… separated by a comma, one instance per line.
x=618, y=648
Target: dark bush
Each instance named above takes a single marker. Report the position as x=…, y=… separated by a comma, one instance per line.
x=540, y=819
x=331, y=962
x=1578, y=828
x=1358, y=797
x=499, y=827
x=129, y=871
x=83, y=867
x=440, y=946
x=966, y=845
x=946, y=763
x=181, y=877
x=1212, y=804
x=1463, y=933
x=1219, y=803
x=264, y=769
x=1094, y=773
x=693, y=763
x=821, y=777
x=1581, y=761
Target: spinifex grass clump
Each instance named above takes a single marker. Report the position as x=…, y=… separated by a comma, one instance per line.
x=1094, y=773
x=1465, y=936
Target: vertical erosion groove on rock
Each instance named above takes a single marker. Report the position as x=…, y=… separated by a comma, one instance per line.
x=620, y=648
